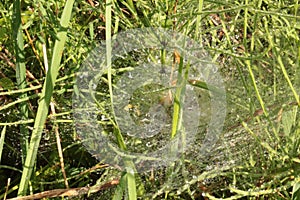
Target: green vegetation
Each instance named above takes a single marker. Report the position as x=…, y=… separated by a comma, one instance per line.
x=256, y=45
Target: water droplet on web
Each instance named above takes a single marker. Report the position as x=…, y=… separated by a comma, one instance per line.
x=149, y=144
x=46, y=135
x=131, y=133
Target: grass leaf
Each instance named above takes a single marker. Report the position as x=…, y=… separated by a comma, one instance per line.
x=2, y=140
x=44, y=101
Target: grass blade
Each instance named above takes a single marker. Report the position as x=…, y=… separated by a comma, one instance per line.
x=198, y=31
x=20, y=73
x=2, y=141
x=45, y=98
x=286, y=76
x=296, y=191
x=131, y=186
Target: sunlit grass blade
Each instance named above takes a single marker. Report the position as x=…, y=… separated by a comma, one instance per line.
x=131, y=186
x=2, y=140
x=45, y=99
x=21, y=100
x=177, y=113
x=288, y=79
x=198, y=31
x=19, y=91
x=296, y=191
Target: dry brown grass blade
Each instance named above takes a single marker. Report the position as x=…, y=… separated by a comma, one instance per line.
x=69, y=192
x=59, y=149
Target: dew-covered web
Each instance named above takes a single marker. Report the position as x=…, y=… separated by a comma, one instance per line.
x=142, y=113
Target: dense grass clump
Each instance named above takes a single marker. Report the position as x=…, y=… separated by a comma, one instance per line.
x=256, y=46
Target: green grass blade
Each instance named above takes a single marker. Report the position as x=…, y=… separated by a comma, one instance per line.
x=296, y=191
x=261, y=102
x=205, y=86
x=2, y=141
x=29, y=121
x=20, y=90
x=119, y=192
x=45, y=98
x=131, y=186
x=19, y=101
x=108, y=25
x=286, y=76
x=20, y=73
x=198, y=31
x=178, y=99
